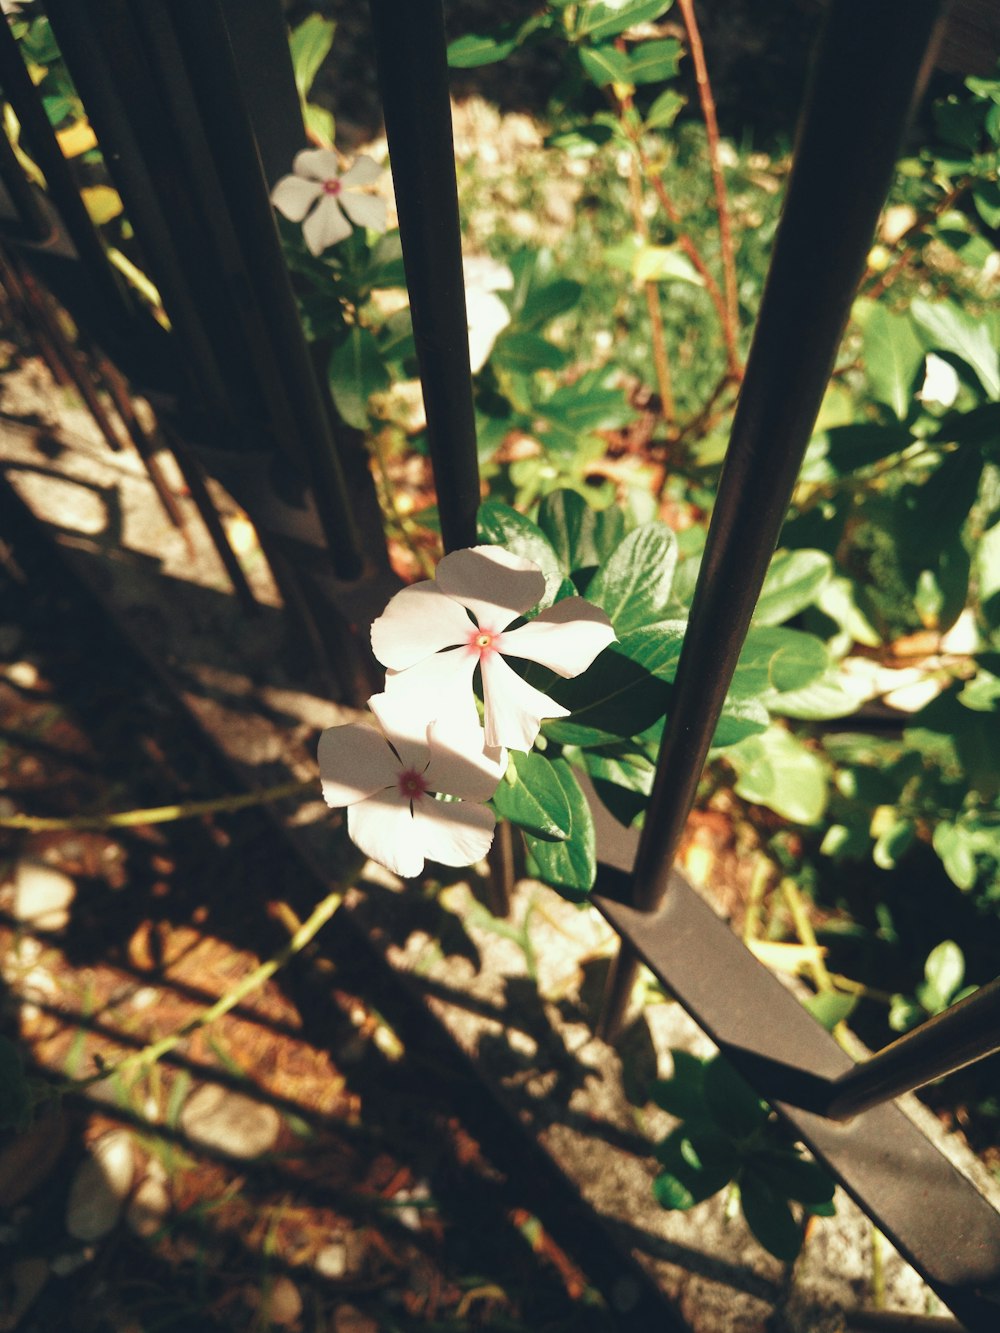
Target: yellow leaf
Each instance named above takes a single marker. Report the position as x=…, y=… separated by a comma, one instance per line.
x=77, y=139
x=102, y=203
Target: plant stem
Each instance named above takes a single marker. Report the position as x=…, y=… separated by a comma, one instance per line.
x=718, y=181
x=389, y=502
x=762, y=873
x=923, y=220
x=149, y=1055
x=159, y=814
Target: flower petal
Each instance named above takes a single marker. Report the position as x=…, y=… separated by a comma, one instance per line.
x=487, y=316
x=365, y=171
x=438, y=687
x=364, y=210
x=455, y=833
x=461, y=762
x=293, y=197
x=405, y=729
x=354, y=762
x=565, y=638
x=384, y=828
x=317, y=164
x=418, y=621
x=514, y=709
x=325, y=225
x=485, y=274
x=496, y=585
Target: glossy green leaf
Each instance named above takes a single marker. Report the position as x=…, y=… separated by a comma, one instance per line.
x=830, y=1008
x=475, y=49
x=545, y=301
x=623, y=783
x=793, y=583
x=697, y=1164
x=604, y=64
x=655, y=647
x=739, y=719
x=950, y=329
x=893, y=359
x=499, y=525
x=633, y=586
x=526, y=352
x=356, y=371
x=893, y=843
x=615, y=697
x=654, y=62
x=777, y=770
x=310, y=44
x=955, y=846
x=569, y=865
x=733, y=1104
x=778, y=659
x=598, y=21
x=664, y=263
x=794, y=1177
x=841, y=450
x=532, y=796
x=581, y=536
x=588, y=405
x=769, y=1217
x=665, y=110
x=944, y=972
x=682, y=1094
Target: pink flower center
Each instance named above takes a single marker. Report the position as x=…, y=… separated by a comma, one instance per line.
x=411, y=784
x=483, y=642
x=332, y=186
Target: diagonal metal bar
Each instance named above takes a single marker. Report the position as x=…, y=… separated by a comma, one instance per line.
x=413, y=77
x=871, y=63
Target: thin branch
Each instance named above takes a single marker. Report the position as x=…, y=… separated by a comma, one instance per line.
x=718, y=180
x=661, y=358
x=922, y=220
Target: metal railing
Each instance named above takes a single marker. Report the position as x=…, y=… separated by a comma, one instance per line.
x=184, y=131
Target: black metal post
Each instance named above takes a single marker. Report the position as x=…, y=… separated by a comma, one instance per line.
x=869, y=68
x=968, y=1031
x=413, y=77
x=29, y=223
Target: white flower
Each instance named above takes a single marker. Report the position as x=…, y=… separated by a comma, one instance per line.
x=940, y=381
x=487, y=315
x=432, y=646
x=318, y=189
x=387, y=780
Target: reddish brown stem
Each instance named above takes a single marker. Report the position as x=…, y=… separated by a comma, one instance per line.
x=924, y=219
x=661, y=359
x=707, y=101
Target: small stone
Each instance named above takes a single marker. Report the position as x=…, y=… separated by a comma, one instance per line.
x=282, y=1303
x=23, y=674
x=42, y=895
x=331, y=1261
x=148, y=1207
x=102, y=1181
x=349, y=1319
x=230, y=1122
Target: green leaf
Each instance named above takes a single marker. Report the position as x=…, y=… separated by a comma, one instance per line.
x=356, y=371
x=499, y=525
x=665, y=110
x=793, y=1176
x=655, y=647
x=615, y=697
x=310, y=45
x=954, y=845
x=739, y=718
x=622, y=782
x=581, y=536
x=569, y=865
x=588, y=405
x=475, y=49
x=733, y=1104
x=893, y=357
x=545, y=301
x=698, y=1163
x=777, y=770
x=664, y=263
x=581, y=140
x=893, y=843
x=986, y=197
x=793, y=582
x=525, y=353
x=945, y=972
x=841, y=450
x=682, y=1095
x=951, y=330
x=654, y=62
x=829, y=1007
x=777, y=659
x=599, y=21
x=605, y=64
x=532, y=796
x=633, y=587
x=769, y=1217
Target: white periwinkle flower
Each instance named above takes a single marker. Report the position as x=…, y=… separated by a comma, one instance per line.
x=317, y=188
x=486, y=313
x=434, y=634
x=941, y=382
x=388, y=780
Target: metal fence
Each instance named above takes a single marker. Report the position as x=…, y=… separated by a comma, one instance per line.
x=197, y=115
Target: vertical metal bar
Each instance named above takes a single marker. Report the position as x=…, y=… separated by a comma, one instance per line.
x=201, y=29
x=413, y=76
x=869, y=67
x=31, y=224
x=968, y=1031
